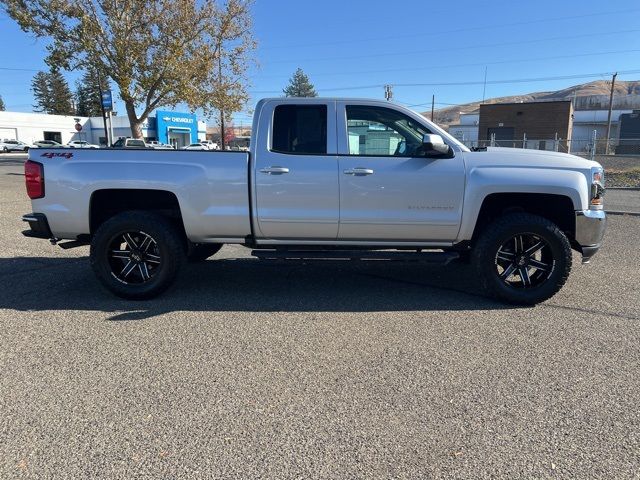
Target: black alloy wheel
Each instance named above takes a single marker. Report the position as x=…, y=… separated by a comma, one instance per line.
x=522, y=258
x=524, y=261
x=134, y=257
x=137, y=254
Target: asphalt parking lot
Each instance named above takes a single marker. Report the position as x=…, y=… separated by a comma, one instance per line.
x=248, y=370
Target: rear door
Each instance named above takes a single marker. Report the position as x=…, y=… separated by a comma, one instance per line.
x=296, y=171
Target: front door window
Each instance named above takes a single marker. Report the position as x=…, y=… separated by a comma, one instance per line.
x=382, y=132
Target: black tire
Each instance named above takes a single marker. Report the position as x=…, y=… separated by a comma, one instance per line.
x=150, y=256
x=522, y=259
x=199, y=252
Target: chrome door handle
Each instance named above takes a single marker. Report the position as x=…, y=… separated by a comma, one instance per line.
x=274, y=170
x=359, y=171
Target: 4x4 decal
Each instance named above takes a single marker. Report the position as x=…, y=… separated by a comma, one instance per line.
x=61, y=154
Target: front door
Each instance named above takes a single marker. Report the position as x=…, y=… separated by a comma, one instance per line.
x=388, y=190
x=296, y=172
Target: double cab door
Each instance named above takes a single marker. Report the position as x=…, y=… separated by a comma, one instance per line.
x=353, y=171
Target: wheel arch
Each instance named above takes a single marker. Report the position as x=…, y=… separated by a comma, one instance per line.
x=106, y=203
x=559, y=209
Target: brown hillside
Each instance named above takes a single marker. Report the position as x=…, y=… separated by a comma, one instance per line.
x=451, y=115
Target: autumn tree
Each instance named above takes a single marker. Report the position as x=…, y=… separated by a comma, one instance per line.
x=157, y=52
x=226, y=90
x=300, y=86
x=88, y=93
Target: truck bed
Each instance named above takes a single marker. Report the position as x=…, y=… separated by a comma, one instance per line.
x=210, y=187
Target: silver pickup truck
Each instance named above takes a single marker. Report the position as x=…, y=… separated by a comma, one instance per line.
x=324, y=179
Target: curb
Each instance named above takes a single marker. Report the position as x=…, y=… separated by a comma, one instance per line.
x=623, y=188
x=613, y=212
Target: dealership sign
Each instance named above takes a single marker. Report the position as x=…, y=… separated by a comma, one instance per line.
x=176, y=123
x=178, y=119
x=107, y=100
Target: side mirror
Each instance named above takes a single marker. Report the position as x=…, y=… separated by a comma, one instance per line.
x=434, y=146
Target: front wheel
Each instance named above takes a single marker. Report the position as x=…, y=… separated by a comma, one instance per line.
x=137, y=255
x=522, y=259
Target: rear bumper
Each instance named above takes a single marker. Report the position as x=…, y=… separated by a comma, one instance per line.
x=38, y=226
x=590, y=228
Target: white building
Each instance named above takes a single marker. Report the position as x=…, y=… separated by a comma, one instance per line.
x=467, y=130
x=177, y=128
x=586, y=121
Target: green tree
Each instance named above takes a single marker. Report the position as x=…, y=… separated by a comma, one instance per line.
x=158, y=53
x=2, y=107
x=52, y=93
x=61, y=96
x=300, y=86
x=40, y=86
x=88, y=90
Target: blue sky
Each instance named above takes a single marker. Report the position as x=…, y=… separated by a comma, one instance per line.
x=352, y=48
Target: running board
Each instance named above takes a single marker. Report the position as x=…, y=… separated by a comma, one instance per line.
x=437, y=258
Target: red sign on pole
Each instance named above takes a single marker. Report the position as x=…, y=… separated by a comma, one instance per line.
x=78, y=127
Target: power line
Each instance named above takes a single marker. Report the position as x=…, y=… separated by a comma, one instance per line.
x=475, y=82
x=458, y=30
x=462, y=47
x=517, y=80
x=19, y=69
x=475, y=64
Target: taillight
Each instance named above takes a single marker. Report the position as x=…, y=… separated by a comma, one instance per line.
x=34, y=179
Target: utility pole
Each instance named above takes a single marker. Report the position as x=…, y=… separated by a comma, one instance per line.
x=388, y=92
x=433, y=103
x=613, y=83
x=484, y=88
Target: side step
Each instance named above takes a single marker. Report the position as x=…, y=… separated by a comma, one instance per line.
x=437, y=258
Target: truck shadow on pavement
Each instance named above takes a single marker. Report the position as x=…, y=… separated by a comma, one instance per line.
x=247, y=284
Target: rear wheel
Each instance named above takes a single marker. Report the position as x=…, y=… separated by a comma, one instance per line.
x=522, y=259
x=137, y=255
x=199, y=252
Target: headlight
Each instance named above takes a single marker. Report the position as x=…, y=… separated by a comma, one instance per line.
x=597, y=187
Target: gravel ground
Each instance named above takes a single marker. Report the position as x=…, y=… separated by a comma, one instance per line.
x=622, y=200
x=248, y=370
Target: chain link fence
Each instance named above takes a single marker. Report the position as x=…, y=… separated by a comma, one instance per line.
x=578, y=146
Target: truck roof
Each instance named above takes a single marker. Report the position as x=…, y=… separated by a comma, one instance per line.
x=326, y=99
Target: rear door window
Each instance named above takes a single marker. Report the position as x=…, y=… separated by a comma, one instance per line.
x=300, y=129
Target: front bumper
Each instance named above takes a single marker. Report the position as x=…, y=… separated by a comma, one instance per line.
x=38, y=226
x=590, y=228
